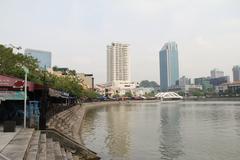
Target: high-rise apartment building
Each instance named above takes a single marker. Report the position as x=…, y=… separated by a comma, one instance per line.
x=236, y=73
x=169, y=67
x=216, y=73
x=118, y=63
x=44, y=57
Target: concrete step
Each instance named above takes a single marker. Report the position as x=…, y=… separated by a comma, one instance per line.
x=50, y=149
x=18, y=146
x=64, y=155
x=69, y=155
x=43, y=147
x=57, y=151
x=33, y=146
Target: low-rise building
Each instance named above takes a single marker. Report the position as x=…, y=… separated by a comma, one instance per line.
x=221, y=89
x=116, y=88
x=229, y=88
x=191, y=88
x=141, y=91
x=87, y=80
x=234, y=87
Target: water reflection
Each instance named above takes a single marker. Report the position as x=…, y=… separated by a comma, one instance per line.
x=170, y=138
x=166, y=131
x=117, y=140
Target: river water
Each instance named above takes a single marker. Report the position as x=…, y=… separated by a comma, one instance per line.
x=165, y=131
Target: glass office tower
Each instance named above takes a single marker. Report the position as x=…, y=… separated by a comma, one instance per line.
x=44, y=57
x=169, y=67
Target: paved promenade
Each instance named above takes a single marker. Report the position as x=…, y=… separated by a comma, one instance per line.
x=6, y=137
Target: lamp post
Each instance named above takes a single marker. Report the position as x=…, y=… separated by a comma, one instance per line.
x=44, y=105
x=25, y=95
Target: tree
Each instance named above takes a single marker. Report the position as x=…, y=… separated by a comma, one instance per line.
x=72, y=72
x=128, y=94
x=198, y=93
x=11, y=64
x=91, y=94
x=149, y=84
x=150, y=94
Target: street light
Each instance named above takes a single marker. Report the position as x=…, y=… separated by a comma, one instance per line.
x=25, y=94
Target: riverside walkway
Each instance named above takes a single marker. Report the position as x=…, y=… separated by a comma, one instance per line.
x=61, y=141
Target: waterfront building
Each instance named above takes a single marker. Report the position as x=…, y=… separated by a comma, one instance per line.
x=118, y=70
x=142, y=91
x=220, y=80
x=121, y=87
x=169, y=67
x=191, y=88
x=221, y=89
x=230, y=89
x=118, y=63
x=44, y=57
x=87, y=80
x=216, y=73
x=234, y=88
x=236, y=73
x=204, y=82
x=209, y=84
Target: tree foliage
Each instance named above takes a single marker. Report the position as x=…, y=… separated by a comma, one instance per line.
x=128, y=94
x=11, y=64
x=198, y=93
x=150, y=94
x=149, y=84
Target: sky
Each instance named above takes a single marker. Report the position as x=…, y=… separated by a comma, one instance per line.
x=77, y=32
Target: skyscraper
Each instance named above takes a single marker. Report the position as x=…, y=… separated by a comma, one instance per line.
x=236, y=73
x=118, y=63
x=216, y=73
x=44, y=57
x=169, y=67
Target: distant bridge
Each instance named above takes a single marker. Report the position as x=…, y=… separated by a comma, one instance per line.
x=168, y=96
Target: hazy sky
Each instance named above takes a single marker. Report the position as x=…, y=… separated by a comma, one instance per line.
x=77, y=32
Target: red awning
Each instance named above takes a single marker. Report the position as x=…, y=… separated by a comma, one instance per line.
x=17, y=83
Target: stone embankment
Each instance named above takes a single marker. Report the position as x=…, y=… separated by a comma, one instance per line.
x=68, y=122
x=29, y=144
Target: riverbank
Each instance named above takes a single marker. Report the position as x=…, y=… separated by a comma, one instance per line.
x=213, y=99
x=187, y=130
x=81, y=111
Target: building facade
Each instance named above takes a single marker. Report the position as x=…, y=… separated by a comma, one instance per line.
x=44, y=57
x=220, y=80
x=236, y=73
x=183, y=81
x=169, y=67
x=87, y=80
x=204, y=82
x=216, y=73
x=118, y=62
